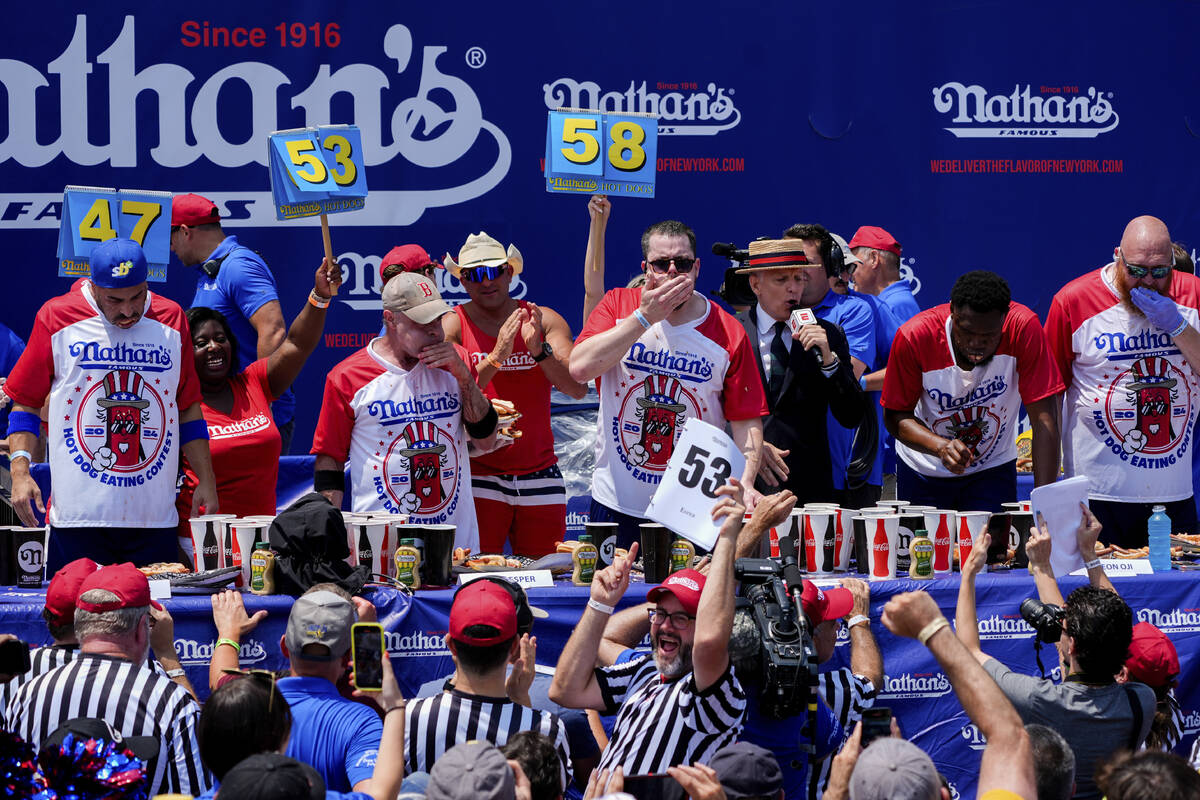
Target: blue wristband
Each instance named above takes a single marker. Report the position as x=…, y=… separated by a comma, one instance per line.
x=24, y=422
x=190, y=431
x=862, y=382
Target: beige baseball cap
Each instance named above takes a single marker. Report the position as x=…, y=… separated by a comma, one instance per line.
x=415, y=295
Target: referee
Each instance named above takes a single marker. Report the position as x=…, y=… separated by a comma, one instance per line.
x=108, y=679
x=482, y=641
x=682, y=703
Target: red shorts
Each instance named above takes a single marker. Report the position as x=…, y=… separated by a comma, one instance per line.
x=529, y=511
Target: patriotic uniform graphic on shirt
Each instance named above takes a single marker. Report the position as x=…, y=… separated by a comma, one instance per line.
x=657, y=421
x=1132, y=397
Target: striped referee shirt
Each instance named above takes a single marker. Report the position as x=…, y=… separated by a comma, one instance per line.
x=664, y=723
x=847, y=695
x=41, y=661
x=135, y=700
x=435, y=724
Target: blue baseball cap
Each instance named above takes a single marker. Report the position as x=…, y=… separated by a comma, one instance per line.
x=118, y=264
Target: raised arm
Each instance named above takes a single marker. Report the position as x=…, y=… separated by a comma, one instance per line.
x=599, y=210
x=966, y=621
x=286, y=361
x=623, y=632
x=714, y=613
x=595, y=356
x=770, y=512
x=1037, y=548
x=865, y=657
x=545, y=324
x=1086, y=535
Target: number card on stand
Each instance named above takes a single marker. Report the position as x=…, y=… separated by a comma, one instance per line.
x=703, y=461
x=317, y=171
x=591, y=152
x=91, y=215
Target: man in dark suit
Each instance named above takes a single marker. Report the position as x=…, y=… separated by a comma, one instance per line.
x=805, y=373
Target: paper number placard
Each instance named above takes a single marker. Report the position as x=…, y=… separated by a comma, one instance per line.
x=91, y=215
x=592, y=152
x=317, y=171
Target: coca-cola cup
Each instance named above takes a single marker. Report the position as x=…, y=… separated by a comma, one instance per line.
x=843, y=540
x=205, y=542
x=819, y=541
x=883, y=533
x=859, y=524
x=895, y=505
x=971, y=525
x=793, y=528
x=245, y=534
x=368, y=537
x=940, y=525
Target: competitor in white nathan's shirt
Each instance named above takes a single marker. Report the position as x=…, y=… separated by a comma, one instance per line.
x=1131, y=397
x=401, y=411
x=956, y=377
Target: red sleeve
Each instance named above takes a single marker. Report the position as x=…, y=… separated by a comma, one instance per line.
x=30, y=380
x=1037, y=373
x=257, y=375
x=742, y=392
x=336, y=421
x=604, y=315
x=902, y=382
x=1058, y=339
x=188, y=392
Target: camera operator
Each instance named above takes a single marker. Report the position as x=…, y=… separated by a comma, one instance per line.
x=1094, y=713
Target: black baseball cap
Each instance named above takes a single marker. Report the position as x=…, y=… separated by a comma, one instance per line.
x=272, y=776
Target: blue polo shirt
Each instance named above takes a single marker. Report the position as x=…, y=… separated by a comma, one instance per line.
x=11, y=348
x=902, y=303
x=785, y=740
x=338, y=737
x=856, y=318
x=243, y=285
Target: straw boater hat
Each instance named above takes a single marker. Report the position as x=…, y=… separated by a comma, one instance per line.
x=482, y=250
x=776, y=254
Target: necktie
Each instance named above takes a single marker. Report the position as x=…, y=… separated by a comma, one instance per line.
x=779, y=360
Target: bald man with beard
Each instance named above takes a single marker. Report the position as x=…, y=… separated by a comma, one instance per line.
x=1126, y=342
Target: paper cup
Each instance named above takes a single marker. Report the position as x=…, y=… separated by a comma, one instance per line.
x=819, y=541
x=971, y=525
x=369, y=538
x=941, y=525
x=883, y=538
x=27, y=554
x=843, y=524
x=207, y=532
x=604, y=536
x=244, y=534
x=893, y=504
x=436, y=568
x=1018, y=534
x=859, y=525
x=656, y=551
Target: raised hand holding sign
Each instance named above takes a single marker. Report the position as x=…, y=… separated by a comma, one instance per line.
x=91, y=215
x=590, y=151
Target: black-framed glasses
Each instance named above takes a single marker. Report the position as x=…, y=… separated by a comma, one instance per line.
x=682, y=264
x=1139, y=271
x=679, y=620
x=480, y=274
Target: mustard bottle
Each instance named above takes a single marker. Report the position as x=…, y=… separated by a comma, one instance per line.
x=682, y=554
x=585, y=558
x=408, y=564
x=262, y=569
x=920, y=551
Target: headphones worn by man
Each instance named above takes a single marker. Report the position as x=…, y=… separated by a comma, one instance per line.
x=836, y=263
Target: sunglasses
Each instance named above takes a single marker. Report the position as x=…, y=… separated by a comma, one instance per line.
x=1138, y=271
x=480, y=274
x=682, y=264
x=263, y=676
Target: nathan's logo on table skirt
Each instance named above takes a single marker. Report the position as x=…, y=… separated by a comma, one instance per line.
x=1007, y=627
x=975, y=738
x=694, y=112
x=1179, y=620
x=1146, y=413
x=1191, y=722
x=420, y=469
x=195, y=653
x=908, y=686
x=121, y=423
x=416, y=645
x=650, y=422
x=1047, y=111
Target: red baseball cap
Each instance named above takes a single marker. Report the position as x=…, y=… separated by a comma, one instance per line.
x=411, y=257
x=822, y=605
x=686, y=585
x=1152, y=657
x=193, y=210
x=64, y=588
x=483, y=603
x=876, y=238
x=125, y=581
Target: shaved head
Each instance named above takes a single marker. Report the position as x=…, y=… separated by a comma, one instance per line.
x=1146, y=241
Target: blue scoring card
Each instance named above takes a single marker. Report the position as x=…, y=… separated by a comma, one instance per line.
x=317, y=171
x=590, y=152
x=91, y=215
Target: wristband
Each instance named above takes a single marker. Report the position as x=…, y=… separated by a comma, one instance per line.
x=862, y=382
x=175, y=673
x=1095, y=562
x=193, y=430
x=495, y=364
x=1182, y=327
x=857, y=619
x=229, y=642
x=24, y=422
x=483, y=428
x=641, y=318
x=317, y=301
x=325, y=480
x=397, y=707
x=25, y=454
x=831, y=367
x=598, y=606
x=929, y=630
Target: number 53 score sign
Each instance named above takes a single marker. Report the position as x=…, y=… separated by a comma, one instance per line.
x=590, y=152
x=703, y=461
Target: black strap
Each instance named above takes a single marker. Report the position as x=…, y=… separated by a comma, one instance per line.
x=779, y=360
x=1135, y=736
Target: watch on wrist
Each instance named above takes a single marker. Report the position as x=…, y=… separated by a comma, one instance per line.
x=545, y=353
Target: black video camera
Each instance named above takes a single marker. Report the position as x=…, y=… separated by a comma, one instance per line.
x=789, y=658
x=1045, y=618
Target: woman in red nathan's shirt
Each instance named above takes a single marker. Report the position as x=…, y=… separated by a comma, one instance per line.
x=242, y=436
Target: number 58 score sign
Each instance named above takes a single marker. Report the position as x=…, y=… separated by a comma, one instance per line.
x=589, y=152
x=703, y=461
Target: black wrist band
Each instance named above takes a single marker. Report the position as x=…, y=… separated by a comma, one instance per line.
x=484, y=427
x=326, y=479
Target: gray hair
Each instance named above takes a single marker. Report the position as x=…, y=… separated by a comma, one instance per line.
x=1053, y=763
x=745, y=647
x=118, y=622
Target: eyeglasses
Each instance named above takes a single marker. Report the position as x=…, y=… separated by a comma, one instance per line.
x=480, y=274
x=1138, y=271
x=679, y=620
x=682, y=264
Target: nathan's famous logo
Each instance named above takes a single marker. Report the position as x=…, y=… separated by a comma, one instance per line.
x=651, y=419
x=1147, y=413
x=1191, y=722
x=1047, y=112
x=974, y=737
x=975, y=426
x=120, y=423
x=421, y=470
x=1005, y=627
x=417, y=643
x=694, y=113
x=435, y=127
x=1177, y=620
x=915, y=685
x=192, y=652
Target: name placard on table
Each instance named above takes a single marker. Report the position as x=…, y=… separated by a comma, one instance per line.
x=589, y=152
x=93, y=214
x=529, y=578
x=317, y=171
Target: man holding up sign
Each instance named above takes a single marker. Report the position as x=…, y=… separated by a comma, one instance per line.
x=663, y=354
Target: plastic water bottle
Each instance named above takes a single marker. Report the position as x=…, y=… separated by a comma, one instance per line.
x=1159, y=530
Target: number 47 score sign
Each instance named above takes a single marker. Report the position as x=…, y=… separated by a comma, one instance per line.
x=703, y=461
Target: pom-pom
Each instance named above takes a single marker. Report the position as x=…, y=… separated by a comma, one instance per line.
x=18, y=770
x=93, y=769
